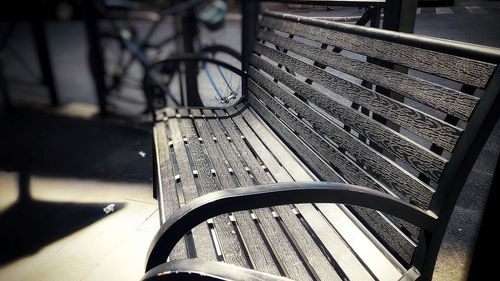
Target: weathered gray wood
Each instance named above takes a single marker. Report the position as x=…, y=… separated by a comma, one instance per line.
x=284, y=157
x=309, y=251
x=348, y=116
x=261, y=146
x=289, y=259
x=464, y=70
x=219, y=152
x=378, y=165
x=349, y=169
x=315, y=141
x=346, y=259
x=231, y=248
x=422, y=124
x=201, y=233
x=294, y=143
x=410, y=185
x=445, y=99
x=377, y=261
x=381, y=167
x=399, y=244
x=167, y=193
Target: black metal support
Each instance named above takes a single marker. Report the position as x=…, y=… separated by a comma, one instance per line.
x=96, y=57
x=246, y=198
x=198, y=270
x=23, y=180
x=189, y=31
x=456, y=172
x=249, y=11
x=38, y=28
x=399, y=15
x=4, y=88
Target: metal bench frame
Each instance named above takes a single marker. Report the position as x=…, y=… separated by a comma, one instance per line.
x=433, y=221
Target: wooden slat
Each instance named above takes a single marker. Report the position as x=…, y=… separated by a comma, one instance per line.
x=463, y=70
x=364, y=247
x=265, y=143
x=255, y=245
x=232, y=250
x=379, y=165
x=327, y=151
x=348, y=262
x=420, y=123
x=350, y=170
x=283, y=249
x=310, y=252
x=167, y=194
x=413, y=154
x=389, y=234
x=445, y=99
x=201, y=234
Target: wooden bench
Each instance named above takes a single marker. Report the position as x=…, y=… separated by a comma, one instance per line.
x=332, y=167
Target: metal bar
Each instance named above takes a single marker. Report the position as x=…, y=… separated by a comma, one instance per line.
x=461, y=49
x=192, y=57
x=399, y=15
x=96, y=57
x=4, y=87
x=211, y=79
x=223, y=74
x=215, y=48
x=206, y=270
x=261, y=196
x=454, y=176
x=248, y=30
x=38, y=28
x=189, y=31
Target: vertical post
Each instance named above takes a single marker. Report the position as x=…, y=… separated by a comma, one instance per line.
x=96, y=57
x=189, y=31
x=399, y=15
x=23, y=179
x=3, y=87
x=38, y=28
x=249, y=9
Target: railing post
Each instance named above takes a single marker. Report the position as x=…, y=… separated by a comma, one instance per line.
x=38, y=29
x=189, y=31
x=399, y=15
x=249, y=9
x=96, y=57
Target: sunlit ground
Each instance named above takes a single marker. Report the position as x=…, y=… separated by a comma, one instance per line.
x=101, y=247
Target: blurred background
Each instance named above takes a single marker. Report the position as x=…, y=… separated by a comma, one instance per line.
x=80, y=81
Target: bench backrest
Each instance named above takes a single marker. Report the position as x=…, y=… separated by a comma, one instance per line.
x=339, y=95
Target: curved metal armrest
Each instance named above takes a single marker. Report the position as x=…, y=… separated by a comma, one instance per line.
x=254, y=197
x=216, y=48
x=197, y=269
x=193, y=57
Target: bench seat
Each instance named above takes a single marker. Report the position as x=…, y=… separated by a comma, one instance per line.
x=390, y=123
x=201, y=151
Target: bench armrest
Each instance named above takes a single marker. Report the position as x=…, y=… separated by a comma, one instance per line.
x=193, y=57
x=216, y=48
x=261, y=196
x=198, y=269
